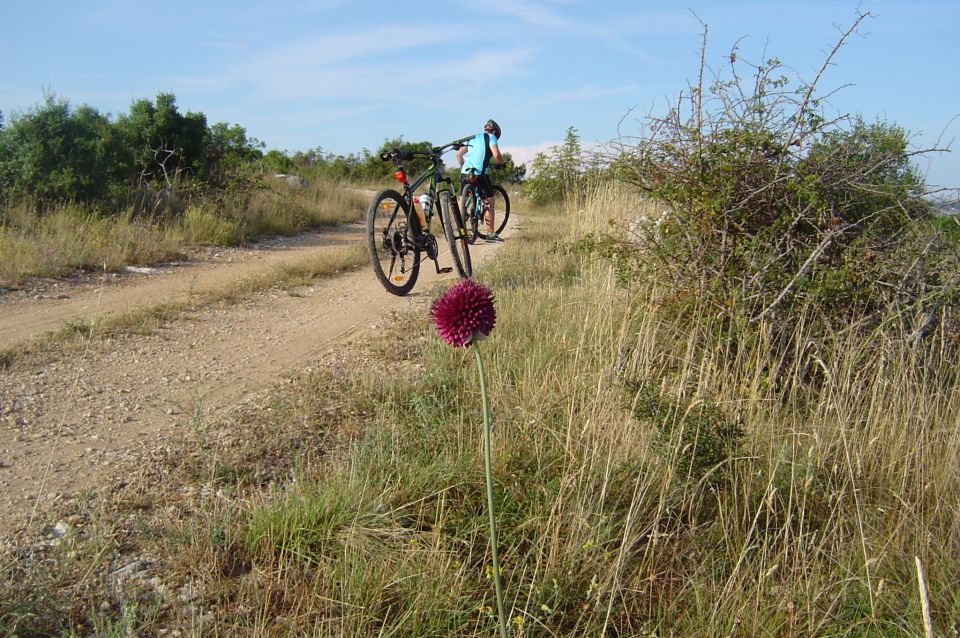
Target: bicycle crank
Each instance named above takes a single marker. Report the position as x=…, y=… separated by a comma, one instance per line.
x=431, y=247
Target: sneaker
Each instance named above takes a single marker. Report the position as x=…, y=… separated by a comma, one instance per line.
x=494, y=238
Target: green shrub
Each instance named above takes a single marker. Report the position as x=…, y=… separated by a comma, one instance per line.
x=56, y=153
x=563, y=174
x=949, y=225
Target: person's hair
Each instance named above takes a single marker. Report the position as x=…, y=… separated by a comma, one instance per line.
x=492, y=127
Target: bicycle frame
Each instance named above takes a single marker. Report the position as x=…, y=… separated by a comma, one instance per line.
x=481, y=204
x=434, y=173
x=476, y=207
x=396, y=240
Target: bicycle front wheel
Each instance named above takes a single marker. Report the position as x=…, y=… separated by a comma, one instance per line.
x=456, y=234
x=501, y=207
x=393, y=255
x=472, y=212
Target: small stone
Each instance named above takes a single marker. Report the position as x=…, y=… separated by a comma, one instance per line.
x=135, y=567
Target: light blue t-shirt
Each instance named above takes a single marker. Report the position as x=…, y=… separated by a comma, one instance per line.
x=479, y=154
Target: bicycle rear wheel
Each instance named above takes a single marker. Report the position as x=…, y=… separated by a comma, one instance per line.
x=501, y=207
x=456, y=234
x=472, y=212
x=393, y=255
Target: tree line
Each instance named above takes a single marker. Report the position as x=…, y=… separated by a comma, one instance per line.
x=56, y=152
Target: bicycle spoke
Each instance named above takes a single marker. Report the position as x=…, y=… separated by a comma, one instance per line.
x=389, y=243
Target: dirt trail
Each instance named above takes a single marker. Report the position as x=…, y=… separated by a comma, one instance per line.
x=67, y=420
x=51, y=306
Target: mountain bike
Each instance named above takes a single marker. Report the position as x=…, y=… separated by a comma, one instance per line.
x=398, y=232
x=475, y=209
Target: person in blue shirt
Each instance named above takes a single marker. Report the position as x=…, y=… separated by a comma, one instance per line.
x=474, y=158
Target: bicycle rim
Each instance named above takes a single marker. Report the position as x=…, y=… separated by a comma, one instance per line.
x=395, y=260
x=471, y=215
x=501, y=207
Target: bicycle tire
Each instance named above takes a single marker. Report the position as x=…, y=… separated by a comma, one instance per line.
x=456, y=234
x=501, y=206
x=393, y=255
x=471, y=216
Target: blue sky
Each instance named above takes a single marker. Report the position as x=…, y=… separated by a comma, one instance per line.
x=345, y=75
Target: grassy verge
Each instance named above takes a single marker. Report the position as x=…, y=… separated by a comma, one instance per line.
x=69, y=237
x=652, y=480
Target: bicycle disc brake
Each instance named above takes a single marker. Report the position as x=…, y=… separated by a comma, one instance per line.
x=396, y=242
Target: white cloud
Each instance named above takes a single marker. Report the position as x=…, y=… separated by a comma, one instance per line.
x=331, y=49
x=614, y=34
x=525, y=154
x=226, y=45
x=592, y=91
x=537, y=14
x=277, y=79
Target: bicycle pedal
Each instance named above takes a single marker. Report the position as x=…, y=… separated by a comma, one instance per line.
x=444, y=271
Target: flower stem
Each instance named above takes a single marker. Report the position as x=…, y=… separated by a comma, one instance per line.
x=488, y=461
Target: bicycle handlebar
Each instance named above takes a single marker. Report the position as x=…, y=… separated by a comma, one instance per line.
x=398, y=154
x=456, y=144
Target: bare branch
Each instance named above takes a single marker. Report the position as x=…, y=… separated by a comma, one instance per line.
x=805, y=102
x=812, y=259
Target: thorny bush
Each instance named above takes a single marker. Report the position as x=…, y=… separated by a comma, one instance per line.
x=776, y=214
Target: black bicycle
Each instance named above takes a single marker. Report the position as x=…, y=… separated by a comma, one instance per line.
x=398, y=232
x=475, y=209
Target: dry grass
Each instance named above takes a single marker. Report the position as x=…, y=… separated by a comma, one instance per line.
x=70, y=237
x=364, y=514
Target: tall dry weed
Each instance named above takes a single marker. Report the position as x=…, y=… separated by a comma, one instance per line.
x=848, y=467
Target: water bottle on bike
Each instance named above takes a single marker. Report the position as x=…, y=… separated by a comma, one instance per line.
x=425, y=203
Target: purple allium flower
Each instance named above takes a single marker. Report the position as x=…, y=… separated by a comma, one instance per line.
x=464, y=313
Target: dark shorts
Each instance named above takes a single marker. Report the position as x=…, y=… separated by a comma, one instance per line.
x=483, y=183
